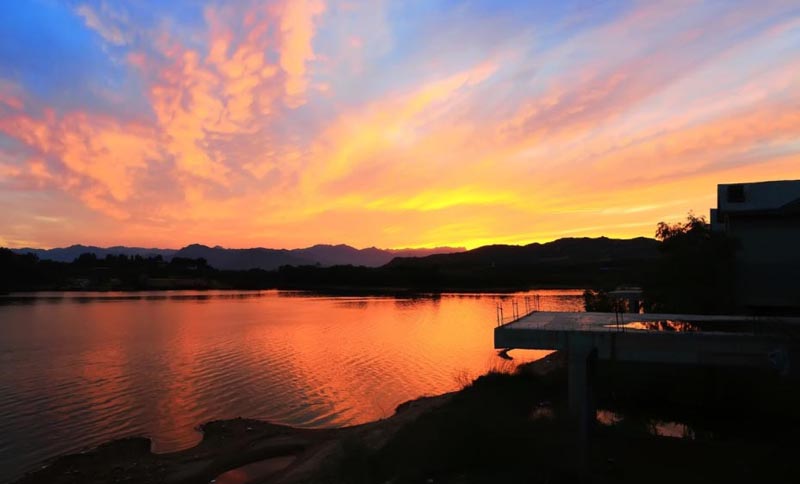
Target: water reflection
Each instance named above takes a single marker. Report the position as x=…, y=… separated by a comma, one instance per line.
x=666, y=325
x=675, y=430
x=607, y=417
x=114, y=296
x=79, y=369
x=677, y=326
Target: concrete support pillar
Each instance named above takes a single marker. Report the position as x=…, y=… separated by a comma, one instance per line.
x=582, y=357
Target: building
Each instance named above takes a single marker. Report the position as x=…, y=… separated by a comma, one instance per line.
x=764, y=217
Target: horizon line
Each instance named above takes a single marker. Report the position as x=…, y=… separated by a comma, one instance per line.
x=461, y=248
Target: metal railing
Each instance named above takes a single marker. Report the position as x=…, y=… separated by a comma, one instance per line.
x=619, y=311
x=531, y=304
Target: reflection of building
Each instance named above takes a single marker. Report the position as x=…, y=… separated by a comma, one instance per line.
x=629, y=299
x=765, y=218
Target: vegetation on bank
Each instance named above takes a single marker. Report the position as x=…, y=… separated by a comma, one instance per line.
x=738, y=426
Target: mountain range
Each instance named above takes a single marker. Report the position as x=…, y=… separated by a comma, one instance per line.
x=254, y=258
x=561, y=252
x=569, y=262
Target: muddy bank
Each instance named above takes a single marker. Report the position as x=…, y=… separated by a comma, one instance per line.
x=226, y=445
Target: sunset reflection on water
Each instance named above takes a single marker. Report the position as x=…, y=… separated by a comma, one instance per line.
x=80, y=369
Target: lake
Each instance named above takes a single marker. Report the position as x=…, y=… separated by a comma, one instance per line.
x=79, y=369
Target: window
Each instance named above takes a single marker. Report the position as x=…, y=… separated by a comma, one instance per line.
x=736, y=194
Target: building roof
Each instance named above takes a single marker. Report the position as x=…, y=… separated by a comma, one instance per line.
x=760, y=198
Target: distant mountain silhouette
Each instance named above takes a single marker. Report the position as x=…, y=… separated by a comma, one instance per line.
x=599, y=263
x=255, y=258
x=332, y=255
x=242, y=259
x=562, y=252
x=568, y=252
x=335, y=255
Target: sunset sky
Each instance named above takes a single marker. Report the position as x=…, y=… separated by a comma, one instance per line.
x=389, y=124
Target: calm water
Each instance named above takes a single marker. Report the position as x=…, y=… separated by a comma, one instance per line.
x=79, y=369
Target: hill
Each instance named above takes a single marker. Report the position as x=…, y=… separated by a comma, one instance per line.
x=578, y=262
x=566, y=251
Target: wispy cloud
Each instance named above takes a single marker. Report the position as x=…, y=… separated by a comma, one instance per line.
x=108, y=22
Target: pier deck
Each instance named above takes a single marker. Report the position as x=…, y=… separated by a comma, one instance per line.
x=661, y=338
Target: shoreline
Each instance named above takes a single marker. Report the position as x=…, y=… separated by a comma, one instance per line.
x=230, y=444
x=226, y=445
x=324, y=290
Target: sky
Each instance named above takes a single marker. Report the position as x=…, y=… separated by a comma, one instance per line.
x=390, y=124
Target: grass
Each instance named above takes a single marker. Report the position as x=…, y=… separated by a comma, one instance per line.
x=487, y=422
x=491, y=431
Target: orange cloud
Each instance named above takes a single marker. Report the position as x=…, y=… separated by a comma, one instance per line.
x=357, y=140
x=94, y=147
x=297, y=32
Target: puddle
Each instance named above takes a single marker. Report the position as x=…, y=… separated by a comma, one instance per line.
x=660, y=428
x=542, y=411
x=607, y=417
x=675, y=430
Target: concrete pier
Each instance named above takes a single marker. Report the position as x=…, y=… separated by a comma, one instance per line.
x=738, y=341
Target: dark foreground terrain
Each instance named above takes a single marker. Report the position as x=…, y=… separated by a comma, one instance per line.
x=655, y=424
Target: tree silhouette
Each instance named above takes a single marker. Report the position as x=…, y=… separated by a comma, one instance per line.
x=696, y=271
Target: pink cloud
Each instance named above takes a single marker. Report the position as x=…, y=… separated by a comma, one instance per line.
x=297, y=32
